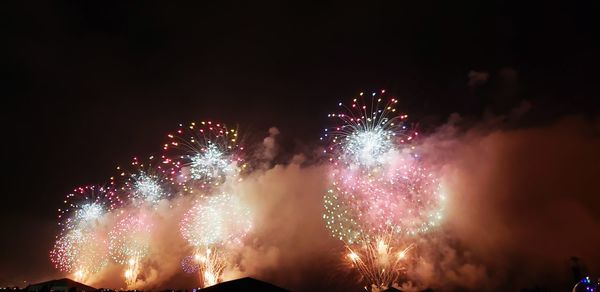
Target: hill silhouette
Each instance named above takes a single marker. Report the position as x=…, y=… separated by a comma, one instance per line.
x=244, y=284
x=63, y=284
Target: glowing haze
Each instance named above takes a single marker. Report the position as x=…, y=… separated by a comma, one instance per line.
x=374, y=205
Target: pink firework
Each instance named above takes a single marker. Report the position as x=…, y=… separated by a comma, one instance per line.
x=381, y=194
x=129, y=243
x=80, y=247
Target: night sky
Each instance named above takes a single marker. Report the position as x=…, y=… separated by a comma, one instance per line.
x=88, y=85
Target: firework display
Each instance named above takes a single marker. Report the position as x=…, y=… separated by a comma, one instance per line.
x=85, y=205
x=199, y=161
x=147, y=183
x=129, y=242
x=218, y=219
x=79, y=248
x=208, y=262
x=379, y=261
x=356, y=206
x=381, y=192
x=209, y=156
x=80, y=252
x=211, y=229
x=208, y=153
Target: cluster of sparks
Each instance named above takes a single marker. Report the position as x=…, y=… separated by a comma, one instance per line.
x=129, y=242
x=209, y=263
x=216, y=219
x=199, y=159
x=213, y=224
x=587, y=285
x=207, y=152
x=147, y=183
x=84, y=246
x=80, y=252
x=209, y=157
x=381, y=192
x=79, y=247
x=379, y=253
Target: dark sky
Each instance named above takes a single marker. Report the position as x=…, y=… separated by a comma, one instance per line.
x=86, y=85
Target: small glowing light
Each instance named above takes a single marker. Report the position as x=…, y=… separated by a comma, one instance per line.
x=353, y=256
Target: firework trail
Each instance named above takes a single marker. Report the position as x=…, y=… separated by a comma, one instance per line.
x=80, y=249
x=211, y=226
x=207, y=152
x=379, y=261
x=209, y=263
x=381, y=193
x=129, y=242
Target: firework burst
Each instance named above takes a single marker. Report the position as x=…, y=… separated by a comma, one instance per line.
x=85, y=206
x=381, y=192
x=80, y=252
x=367, y=132
x=147, y=183
x=404, y=200
x=80, y=248
x=208, y=153
x=213, y=224
x=219, y=219
x=129, y=242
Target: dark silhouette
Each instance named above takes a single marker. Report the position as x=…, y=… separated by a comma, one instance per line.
x=244, y=284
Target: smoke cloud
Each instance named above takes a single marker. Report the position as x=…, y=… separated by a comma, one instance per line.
x=522, y=206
